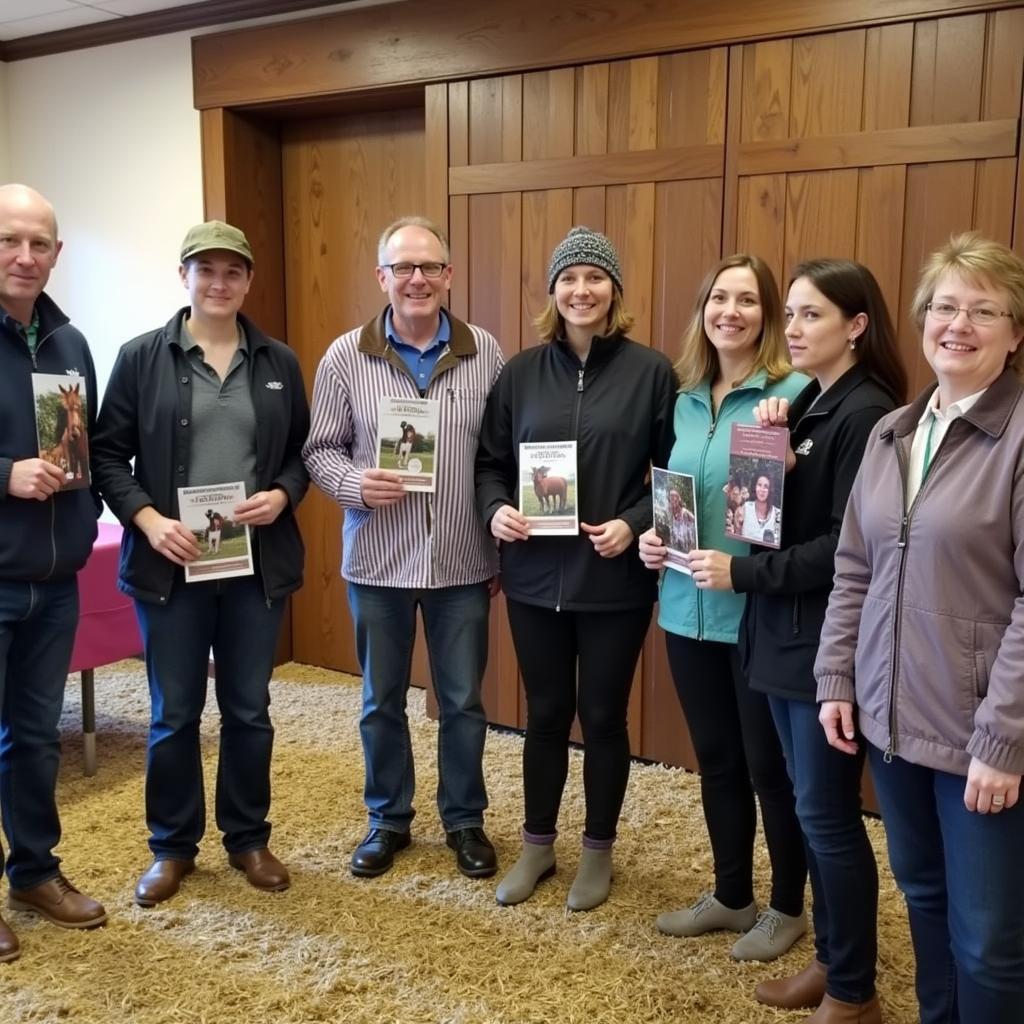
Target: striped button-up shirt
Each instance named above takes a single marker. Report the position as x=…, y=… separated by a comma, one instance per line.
x=424, y=540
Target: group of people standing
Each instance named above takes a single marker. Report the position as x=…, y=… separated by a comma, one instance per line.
x=888, y=624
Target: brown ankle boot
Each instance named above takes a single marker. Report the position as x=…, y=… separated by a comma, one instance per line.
x=832, y=1011
x=797, y=992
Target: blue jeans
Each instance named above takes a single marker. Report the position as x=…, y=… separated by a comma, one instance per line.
x=840, y=861
x=959, y=872
x=234, y=619
x=455, y=621
x=37, y=632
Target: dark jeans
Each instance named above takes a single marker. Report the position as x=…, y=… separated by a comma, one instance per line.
x=234, y=619
x=37, y=632
x=959, y=872
x=455, y=620
x=738, y=754
x=841, y=863
x=576, y=661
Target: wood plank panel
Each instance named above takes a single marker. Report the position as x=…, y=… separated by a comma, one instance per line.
x=879, y=247
x=495, y=294
x=761, y=221
x=343, y=181
x=390, y=44
x=821, y=217
x=633, y=105
x=827, y=84
x=691, y=98
x=582, y=171
x=733, y=136
x=994, y=184
x=549, y=108
x=1004, y=44
x=588, y=207
x=547, y=217
x=947, y=73
x=666, y=734
x=767, y=72
x=888, y=61
x=458, y=124
x=930, y=144
x=462, y=264
x=630, y=226
x=592, y=109
x=435, y=157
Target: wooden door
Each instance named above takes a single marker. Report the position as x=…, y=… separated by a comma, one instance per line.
x=344, y=179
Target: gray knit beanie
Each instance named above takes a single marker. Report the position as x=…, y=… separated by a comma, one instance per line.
x=582, y=245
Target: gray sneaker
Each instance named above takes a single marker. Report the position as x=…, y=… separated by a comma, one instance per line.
x=707, y=915
x=771, y=936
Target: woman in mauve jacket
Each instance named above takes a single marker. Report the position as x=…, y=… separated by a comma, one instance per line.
x=839, y=331
x=579, y=606
x=924, y=637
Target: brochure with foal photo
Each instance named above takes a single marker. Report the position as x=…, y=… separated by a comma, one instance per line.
x=407, y=440
x=675, y=516
x=226, y=545
x=547, y=488
x=753, y=494
x=61, y=425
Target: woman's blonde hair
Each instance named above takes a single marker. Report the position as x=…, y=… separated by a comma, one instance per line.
x=550, y=324
x=981, y=263
x=698, y=359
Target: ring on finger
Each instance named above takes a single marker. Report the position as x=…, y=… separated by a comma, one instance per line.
x=998, y=800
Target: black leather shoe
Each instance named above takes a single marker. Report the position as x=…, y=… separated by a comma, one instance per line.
x=473, y=852
x=376, y=853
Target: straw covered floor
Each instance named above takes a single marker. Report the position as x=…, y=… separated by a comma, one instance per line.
x=421, y=944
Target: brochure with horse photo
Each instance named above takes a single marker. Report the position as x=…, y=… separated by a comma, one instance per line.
x=61, y=418
x=547, y=487
x=407, y=440
x=226, y=545
x=753, y=495
x=675, y=516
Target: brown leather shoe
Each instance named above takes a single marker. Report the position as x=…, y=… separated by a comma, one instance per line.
x=262, y=869
x=797, y=992
x=10, y=949
x=833, y=1011
x=60, y=902
x=161, y=881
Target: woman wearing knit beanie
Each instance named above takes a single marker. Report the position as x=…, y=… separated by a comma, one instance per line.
x=579, y=606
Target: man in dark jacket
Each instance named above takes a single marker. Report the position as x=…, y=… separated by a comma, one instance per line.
x=46, y=534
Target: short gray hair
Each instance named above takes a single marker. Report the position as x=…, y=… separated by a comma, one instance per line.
x=411, y=222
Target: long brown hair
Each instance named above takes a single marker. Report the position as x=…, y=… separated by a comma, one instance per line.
x=852, y=288
x=698, y=359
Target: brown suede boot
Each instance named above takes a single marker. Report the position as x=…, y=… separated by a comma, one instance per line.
x=832, y=1011
x=797, y=992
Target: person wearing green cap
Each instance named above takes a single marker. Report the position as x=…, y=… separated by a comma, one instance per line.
x=206, y=399
x=579, y=606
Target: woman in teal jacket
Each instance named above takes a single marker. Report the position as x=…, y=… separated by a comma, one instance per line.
x=734, y=354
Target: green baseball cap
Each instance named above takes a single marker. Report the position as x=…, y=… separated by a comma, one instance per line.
x=215, y=234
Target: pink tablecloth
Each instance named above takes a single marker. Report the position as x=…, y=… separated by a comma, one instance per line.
x=107, y=628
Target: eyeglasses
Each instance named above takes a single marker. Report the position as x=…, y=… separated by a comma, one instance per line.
x=980, y=316
x=403, y=270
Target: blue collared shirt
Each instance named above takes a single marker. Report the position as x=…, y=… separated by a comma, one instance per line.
x=421, y=363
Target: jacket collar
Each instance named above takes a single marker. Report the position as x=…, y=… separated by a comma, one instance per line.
x=51, y=316
x=991, y=413
x=831, y=399
x=255, y=338
x=373, y=340
x=602, y=348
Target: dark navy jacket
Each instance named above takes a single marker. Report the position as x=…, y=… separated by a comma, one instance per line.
x=41, y=540
x=146, y=414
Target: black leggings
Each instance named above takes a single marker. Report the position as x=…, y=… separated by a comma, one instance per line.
x=552, y=647
x=738, y=753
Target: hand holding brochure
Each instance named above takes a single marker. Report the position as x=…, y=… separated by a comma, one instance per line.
x=753, y=495
x=226, y=545
x=407, y=440
x=61, y=418
x=675, y=517
x=547, y=487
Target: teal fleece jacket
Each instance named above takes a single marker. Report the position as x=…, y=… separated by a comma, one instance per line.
x=701, y=449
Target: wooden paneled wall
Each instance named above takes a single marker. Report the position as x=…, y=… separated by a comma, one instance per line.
x=684, y=133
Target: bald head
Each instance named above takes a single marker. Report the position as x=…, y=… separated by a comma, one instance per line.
x=28, y=248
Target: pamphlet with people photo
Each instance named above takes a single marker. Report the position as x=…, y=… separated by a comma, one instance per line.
x=675, y=516
x=407, y=440
x=547, y=487
x=753, y=494
x=226, y=547
x=61, y=418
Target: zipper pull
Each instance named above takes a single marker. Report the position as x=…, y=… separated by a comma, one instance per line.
x=579, y=381
x=902, y=542
x=887, y=756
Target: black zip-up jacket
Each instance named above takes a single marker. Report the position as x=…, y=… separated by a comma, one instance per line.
x=42, y=540
x=146, y=415
x=788, y=590
x=618, y=408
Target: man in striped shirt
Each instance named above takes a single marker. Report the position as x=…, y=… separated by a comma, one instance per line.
x=405, y=549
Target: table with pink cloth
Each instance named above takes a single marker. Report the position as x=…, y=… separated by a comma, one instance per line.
x=107, y=628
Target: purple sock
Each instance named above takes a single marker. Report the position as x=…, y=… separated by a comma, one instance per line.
x=539, y=840
x=590, y=843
